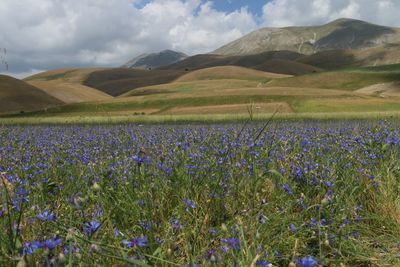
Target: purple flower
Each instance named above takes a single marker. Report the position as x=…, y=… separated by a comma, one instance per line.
x=91, y=227
x=224, y=249
x=293, y=228
x=52, y=243
x=136, y=242
x=47, y=216
x=328, y=183
x=288, y=190
x=233, y=242
x=262, y=263
x=176, y=225
x=308, y=261
x=189, y=204
x=32, y=247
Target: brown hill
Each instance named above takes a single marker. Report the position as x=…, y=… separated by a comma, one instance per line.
x=18, y=96
x=66, y=85
x=287, y=67
x=229, y=72
x=282, y=62
x=115, y=82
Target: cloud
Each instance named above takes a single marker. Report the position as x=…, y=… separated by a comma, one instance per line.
x=278, y=13
x=46, y=34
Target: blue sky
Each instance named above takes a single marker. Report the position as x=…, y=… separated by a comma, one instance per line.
x=254, y=6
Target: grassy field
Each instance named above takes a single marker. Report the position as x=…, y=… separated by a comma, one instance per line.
x=304, y=193
x=107, y=118
x=226, y=90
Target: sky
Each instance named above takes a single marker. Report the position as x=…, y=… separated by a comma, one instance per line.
x=45, y=34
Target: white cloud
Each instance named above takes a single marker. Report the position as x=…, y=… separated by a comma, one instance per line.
x=278, y=13
x=45, y=34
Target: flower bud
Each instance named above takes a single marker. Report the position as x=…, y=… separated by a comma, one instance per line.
x=169, y=251
x=21, y=263
x=224, y=228
x=62, y=258
x=96, y=187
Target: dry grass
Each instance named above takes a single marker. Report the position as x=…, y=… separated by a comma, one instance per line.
x=69, y=75
x=66, y=85
x=382, y=90
x=256, y=108
x=229, y=72
x=70, y=92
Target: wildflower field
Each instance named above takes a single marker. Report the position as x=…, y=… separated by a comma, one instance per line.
x=281, y=194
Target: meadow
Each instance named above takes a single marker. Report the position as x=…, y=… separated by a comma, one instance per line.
x=322, y=193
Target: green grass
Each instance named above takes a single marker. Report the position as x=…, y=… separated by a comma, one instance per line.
x=346, y=80
x=393, y=68
x=218, y=118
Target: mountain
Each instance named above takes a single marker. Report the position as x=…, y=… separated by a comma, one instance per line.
x=342, y=34
x=19, y=96
x=155, y=60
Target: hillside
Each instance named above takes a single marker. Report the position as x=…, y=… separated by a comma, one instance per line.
x=337, y=59
x=283, y=62
x=115, y=82
x=155, y=60
x=342, y=34
x=229, y=72
x=18, y=96
x=236, y=90
x=66, y=85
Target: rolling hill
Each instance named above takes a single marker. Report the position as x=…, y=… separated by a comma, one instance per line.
x=229, y=72
x=118, y=81
x=66, y=85
x=19, y=96
x=342, y=34
x=237, y=90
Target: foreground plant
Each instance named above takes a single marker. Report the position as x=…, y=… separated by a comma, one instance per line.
x=296, y=194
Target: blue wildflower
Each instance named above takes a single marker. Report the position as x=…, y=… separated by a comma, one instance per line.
x=32, y=247
x=288, y=190
x=189, y=204
x=308, y=261
x=175, y=224
x=52, y=243
x=262, y=263
x=46, y=216
x=293, y=228
x=136, y=242
x=91, y=227
x=233, y=242
x=224, y=249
